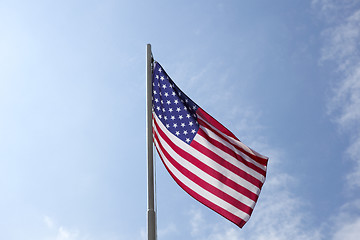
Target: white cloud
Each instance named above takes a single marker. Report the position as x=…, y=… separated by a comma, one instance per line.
x=350, y=231
x=197, y=222
x=49, y=222
x=347, y=223
x=204, y=230
x=143, y=234
x=162, y=232
x=342, y=46
x=353, y=178
x=280, y=214
x=332, y=10
x=65, y=234
x=165, y=231
x=60, y=232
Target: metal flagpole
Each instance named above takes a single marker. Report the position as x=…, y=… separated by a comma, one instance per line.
x=151, y=214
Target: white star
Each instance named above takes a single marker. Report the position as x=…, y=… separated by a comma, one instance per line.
x=176, y=101
x=175, y=125
x=166, y=94
x=164, y=86
x=168, y=102
x=165, y=117
x=157, y=76
x=188, y=115
x=191, y=123
x=154, y=92
x=173, y=93
x=178, y=109
x=183, y=124
x=158, y=108
x=162, y=78
x=180, y=117
x=185, y=108
x=185, y=132
x=160, y=69
x=172, y=118
x=167, y=125
x=160, y=116
x=156, y=100
x=193, y=131
x=170, y=109
x=187, y=140
x=177, y=133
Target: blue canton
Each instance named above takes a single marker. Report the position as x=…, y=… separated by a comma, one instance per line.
x=174, y=109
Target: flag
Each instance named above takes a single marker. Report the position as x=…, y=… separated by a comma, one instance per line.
x=208, y=161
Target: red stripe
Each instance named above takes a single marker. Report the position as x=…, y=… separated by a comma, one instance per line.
x=221, y=128
x=226, y=214
x=233, y=154
x=193, y=177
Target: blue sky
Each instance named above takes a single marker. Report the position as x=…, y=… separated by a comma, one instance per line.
x=284, y=76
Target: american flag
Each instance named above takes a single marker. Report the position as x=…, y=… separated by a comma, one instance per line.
x=202, y=156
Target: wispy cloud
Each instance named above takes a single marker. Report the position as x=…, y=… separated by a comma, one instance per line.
x=49, y=222
x=167, y=230
x=65, y=234
x=197, y=221
x=346, y=224
x=203, y=230
x=162, y=233
x=342, y=47
x=279, y=216
x=59, y=232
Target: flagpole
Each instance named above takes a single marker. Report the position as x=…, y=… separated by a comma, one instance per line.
x=151, y=215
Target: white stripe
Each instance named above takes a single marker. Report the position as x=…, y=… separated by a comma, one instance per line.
x=208, y=161
x=203, y=175
x=199, y=190
x=200, y=139
x=240, y=145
